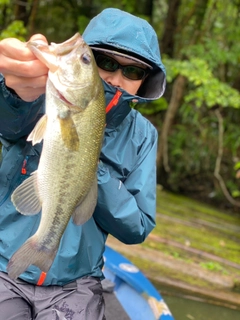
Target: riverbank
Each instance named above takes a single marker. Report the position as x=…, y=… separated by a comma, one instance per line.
x=193, y=251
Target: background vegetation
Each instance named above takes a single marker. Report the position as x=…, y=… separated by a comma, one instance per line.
x=198, y=117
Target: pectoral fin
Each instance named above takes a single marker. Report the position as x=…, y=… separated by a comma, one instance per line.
x=85, y=209
x=38, y=132
x=69, y=133
x=26, y=197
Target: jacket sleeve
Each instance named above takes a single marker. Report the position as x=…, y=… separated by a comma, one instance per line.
x=127, y=210
x=17, y=117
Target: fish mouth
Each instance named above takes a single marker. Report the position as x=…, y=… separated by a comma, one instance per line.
x=61, y=97
x=58, y=95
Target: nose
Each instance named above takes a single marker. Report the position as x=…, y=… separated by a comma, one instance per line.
x=115, y=78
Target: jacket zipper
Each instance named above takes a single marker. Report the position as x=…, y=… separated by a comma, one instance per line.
x=23, y=172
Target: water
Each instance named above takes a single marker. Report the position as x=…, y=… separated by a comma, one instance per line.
x=186, y=309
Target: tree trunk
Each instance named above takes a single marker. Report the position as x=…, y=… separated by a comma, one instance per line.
x=148, y=9
x=32, y=18
x=201, y=9
x=167, y=43
x=20, y=11
x=175, y=102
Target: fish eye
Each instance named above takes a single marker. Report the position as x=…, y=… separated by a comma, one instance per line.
x=86, y=58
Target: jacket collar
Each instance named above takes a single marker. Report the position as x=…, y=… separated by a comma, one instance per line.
x=117, y=105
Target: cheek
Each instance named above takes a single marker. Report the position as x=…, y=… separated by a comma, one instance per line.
x=103, y=74
x=133, y=86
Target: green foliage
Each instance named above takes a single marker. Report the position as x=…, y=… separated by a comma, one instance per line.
x=4, y=2
x=211, y=53
x=193, y=146
x=205, y=88
x=82, y=22
x=15, y=30
x=192, y=149
x=213, y=266
x=153, y=107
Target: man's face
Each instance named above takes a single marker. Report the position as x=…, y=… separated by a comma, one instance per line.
x=117, y=78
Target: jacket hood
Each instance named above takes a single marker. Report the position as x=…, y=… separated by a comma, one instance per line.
x=123, y=32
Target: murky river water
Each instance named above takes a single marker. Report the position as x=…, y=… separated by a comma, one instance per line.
x=185, y=309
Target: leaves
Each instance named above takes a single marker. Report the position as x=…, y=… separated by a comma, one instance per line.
x=4, y=2
x=205, y=88
x=15, y=30
x=153, y=107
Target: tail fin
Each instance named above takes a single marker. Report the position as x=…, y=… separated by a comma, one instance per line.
x=30, y=253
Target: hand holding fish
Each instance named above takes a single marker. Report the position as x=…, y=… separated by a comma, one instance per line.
x=23, y=72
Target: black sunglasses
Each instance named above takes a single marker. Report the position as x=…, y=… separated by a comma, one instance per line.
x=131, y=72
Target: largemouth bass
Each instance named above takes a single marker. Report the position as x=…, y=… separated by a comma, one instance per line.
x=65, y=184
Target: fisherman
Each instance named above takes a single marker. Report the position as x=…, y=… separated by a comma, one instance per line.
x=127, y=55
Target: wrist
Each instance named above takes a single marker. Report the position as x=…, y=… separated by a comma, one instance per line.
x=13, y=93
x=7, y=92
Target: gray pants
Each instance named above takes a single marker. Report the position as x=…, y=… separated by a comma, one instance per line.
x=79, y=300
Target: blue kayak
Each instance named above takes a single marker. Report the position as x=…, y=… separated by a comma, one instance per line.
x=136, y=294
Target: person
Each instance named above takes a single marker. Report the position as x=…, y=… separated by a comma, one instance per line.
x=127, y=53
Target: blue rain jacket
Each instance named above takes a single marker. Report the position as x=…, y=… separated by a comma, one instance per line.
x=127, y=168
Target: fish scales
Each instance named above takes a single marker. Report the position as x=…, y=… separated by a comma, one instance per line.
x=65, y=183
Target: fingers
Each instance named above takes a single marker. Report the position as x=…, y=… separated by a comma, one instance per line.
x=38, y=37
x=22, y=68
x=30, y=94
x=23, y=72
x=28, y=89
x=15, y=49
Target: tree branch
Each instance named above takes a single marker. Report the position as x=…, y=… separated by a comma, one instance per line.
x=174, y=104
x=219, y=160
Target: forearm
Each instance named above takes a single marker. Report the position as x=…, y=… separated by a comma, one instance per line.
x=17, y=117
x=128, y=217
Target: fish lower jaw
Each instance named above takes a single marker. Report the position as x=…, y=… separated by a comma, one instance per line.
x=63, y=99
x=57, y=93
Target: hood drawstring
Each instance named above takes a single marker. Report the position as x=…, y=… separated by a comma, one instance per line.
x=114, y=101
x=41, y=278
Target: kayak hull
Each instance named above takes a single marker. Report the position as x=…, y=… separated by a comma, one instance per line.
x=136, y=294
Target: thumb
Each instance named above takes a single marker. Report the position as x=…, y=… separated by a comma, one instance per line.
x=39, y=37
